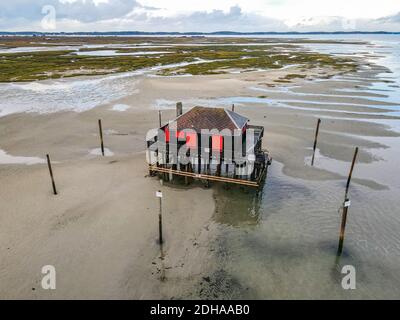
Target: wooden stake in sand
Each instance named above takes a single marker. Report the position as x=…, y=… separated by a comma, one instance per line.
x=160, y=236
x=101, y=137
x=346, y=205
x=51, y=174
x=179, y=109
x=315, y=141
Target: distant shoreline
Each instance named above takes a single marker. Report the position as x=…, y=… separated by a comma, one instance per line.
x=222, y=33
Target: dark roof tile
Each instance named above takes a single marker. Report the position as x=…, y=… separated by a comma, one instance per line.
x=199, y=118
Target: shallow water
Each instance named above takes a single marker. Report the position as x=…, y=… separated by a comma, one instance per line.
x=74, y=94
x=120, y=107
x=282, y=243
x=6, y=158
x=78, y=47
x=98, y=152
x=111, y=53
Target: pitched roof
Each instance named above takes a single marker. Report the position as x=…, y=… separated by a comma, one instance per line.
x=199, y=118
x=239, y=120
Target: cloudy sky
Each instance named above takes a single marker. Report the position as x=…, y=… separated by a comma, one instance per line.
x=195, y=15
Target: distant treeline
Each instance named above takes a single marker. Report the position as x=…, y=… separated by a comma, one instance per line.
x=142, y=33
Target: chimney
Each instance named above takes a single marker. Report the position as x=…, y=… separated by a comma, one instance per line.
x=179, y=109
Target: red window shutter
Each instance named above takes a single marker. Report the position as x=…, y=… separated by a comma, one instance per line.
x=191, y=140
x=180, y=135
x=217, y=143
x=167, y=134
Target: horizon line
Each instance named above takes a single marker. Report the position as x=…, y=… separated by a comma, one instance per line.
x=193, y=32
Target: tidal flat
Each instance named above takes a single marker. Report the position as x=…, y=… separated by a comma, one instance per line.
x=194, y=56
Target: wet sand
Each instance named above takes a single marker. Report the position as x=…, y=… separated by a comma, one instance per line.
x=100, y=231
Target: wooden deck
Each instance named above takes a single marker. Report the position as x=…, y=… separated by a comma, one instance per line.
x=200, y=176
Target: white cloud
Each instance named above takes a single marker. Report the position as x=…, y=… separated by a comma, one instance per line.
x=288, y=9
x=205, y=15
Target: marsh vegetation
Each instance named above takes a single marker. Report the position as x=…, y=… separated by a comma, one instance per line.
x=65, y=57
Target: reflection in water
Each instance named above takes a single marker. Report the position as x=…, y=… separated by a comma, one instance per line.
x=240, y=206
x=237, y=206
x=162, y=264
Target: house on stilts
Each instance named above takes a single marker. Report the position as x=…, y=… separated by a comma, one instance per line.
x=211, y=144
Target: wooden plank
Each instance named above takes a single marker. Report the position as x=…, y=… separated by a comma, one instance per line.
x=205, y=176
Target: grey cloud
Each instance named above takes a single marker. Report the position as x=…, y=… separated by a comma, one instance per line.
x=395, y=18
x=118, y=15
x=88, y=11
x=331, y=24
x=84, y=11
x=233, y=20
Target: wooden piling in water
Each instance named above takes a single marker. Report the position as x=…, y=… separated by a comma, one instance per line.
x=346, y=205
x=186, y=177
x=160, y=234
x=219, y=165
x=179, y=109
x=51, y=174
x=101, y=137
x=199, y=155
x=159, y=118
x=351, y=172
x=342, y=229
x=315, y=142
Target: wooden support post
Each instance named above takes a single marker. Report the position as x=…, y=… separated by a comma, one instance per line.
x=160, y=235
x=346, y=205
x=193, y=175
x=101, y=137
x=315, y=142
x=221, y=158
x=199, y=153
x=166, y=160
x=342, y=229
x=51, y=174
x=253, y=173
x=233, y=108
x=179, y=109
x=233, y=157
x=159, y=118
x=351, y=173
x=186, y=177
x=210, y=150
x=219, y=164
